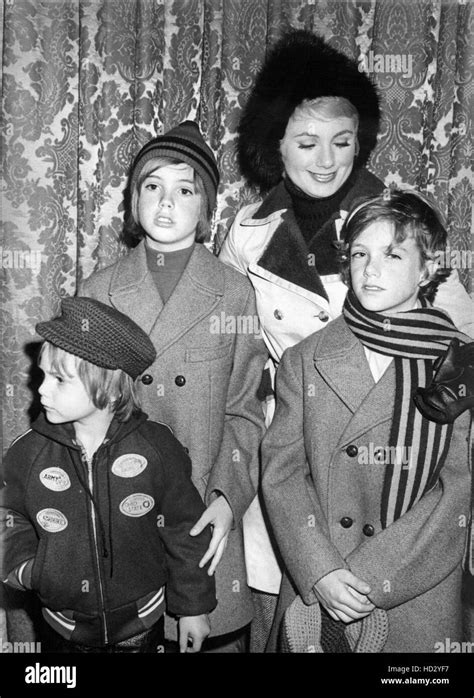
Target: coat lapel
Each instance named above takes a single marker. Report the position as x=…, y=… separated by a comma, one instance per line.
x=131, y=284
x=375, y=408
x=286, y=256
x=341, y=361
x=196, y=294
x=133, y=292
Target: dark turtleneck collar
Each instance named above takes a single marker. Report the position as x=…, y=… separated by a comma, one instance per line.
x=314, y=217
x=286, y=254
x=313, y=212
x=167, y=268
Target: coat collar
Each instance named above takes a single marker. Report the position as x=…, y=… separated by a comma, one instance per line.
x=133, y=292
x=287, y=254
x=275, y=201
x=65, y=434
x=365, y=184
x=340, y=359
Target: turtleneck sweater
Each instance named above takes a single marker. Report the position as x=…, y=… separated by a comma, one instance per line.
x=312, y=214
x=166, y=268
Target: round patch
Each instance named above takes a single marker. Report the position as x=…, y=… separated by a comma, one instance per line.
x=129, y=465
x=51, y=520
x=137, y=504
x=55, y=479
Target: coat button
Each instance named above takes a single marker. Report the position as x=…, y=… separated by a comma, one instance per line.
x=147, y=379
x=180, y=381
x=368, y=530
x=346, y=522
x=352, y=451
x=278, y=314
x=323, y=316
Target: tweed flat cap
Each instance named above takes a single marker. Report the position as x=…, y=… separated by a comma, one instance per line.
x=99, y=334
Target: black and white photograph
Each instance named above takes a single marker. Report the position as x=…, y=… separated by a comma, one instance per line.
x=237, y=333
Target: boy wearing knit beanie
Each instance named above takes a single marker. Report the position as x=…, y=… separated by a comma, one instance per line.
x=98, y=500
x=202, y=320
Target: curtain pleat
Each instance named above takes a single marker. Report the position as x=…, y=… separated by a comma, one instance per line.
x=86, y=83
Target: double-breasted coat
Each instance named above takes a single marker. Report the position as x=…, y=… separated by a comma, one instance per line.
x=203, y=382
x=266, y=244
x=323, y=493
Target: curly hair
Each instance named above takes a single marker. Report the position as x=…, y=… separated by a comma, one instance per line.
x=412, y=215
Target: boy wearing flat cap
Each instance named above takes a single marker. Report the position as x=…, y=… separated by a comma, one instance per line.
x=99, y=501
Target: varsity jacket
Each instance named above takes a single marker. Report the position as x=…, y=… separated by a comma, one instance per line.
x=109, y=537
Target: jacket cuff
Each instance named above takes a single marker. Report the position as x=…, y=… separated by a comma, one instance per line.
x=20, y=576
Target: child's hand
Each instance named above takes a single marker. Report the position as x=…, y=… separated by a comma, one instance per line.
x=193, y=629
x=219, y=515
x=344, y=596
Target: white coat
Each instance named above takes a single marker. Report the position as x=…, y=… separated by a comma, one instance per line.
x=289, y=311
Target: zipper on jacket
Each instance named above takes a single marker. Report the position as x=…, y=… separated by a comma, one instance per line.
x=90, y=478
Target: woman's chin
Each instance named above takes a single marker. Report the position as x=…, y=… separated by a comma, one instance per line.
x=321, y=190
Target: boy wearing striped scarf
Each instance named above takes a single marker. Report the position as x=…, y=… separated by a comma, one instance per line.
x=369, y=499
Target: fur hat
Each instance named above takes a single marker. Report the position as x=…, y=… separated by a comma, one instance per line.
x=300, y=66
x=99, y=334
x=301, y=630
x=183, y=142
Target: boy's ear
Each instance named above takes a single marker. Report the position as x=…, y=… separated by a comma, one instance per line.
x=429, y=270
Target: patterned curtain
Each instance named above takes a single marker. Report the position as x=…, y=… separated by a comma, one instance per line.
x=87, y=82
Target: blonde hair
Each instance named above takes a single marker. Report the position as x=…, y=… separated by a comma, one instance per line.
x=330, y=108
x=106, y=387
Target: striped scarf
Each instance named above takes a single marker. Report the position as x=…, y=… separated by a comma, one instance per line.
x=415, y=339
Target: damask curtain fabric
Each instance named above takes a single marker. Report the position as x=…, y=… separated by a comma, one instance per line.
x=85, y=83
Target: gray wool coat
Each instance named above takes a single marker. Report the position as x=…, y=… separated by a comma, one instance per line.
x=203, y=384
x=327, y=400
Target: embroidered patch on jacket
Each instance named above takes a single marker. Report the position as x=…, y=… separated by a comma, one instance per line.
x=55, y=479
x=137, y=504
x=129, y=465
x=51, y=520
